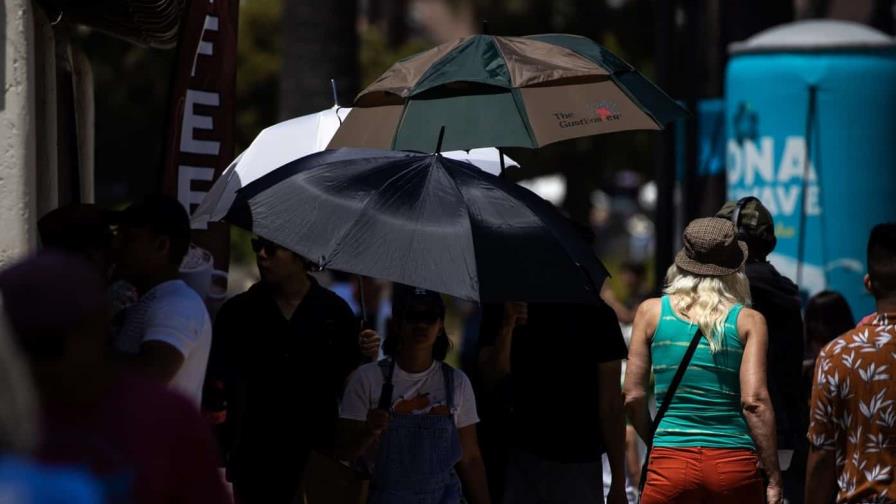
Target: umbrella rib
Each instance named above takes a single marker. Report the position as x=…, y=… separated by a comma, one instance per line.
x=521, y=109
x=338, y=242
x=632, y=97
x=546, y=225
x=514, y=93
x=466, y=210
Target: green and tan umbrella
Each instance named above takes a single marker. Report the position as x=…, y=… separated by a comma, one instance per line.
x=507, y=92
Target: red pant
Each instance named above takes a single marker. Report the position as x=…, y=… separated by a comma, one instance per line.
x=703, y=476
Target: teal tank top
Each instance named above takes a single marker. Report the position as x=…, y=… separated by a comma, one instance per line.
x=706, y=409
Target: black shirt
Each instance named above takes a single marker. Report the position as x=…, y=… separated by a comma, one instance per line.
x=554, y=382
x=282, y=378
x=777, y=299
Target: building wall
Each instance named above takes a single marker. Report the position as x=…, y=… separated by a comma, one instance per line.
x=17, y=145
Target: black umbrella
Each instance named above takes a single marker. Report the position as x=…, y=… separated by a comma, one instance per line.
x=421, y=220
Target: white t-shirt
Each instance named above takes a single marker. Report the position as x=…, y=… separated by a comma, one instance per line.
x=173, y=313
x=413, y=393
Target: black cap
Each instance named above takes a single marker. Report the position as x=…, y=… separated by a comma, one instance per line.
x=75, y=228
x=163, y=215
x=405, y=296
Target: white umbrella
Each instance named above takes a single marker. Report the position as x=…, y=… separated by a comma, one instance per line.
x=293, y=139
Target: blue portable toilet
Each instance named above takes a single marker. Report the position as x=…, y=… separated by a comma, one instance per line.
x=810, y=112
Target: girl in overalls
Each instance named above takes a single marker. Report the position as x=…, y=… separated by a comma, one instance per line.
x=413, y=417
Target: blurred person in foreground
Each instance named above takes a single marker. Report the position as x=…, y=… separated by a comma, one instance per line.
x=556, y=369
x=719, y=426
x=22, y=481
x=777, y=299
x=853, y=422
x=282, y=352
x=144, y=443
x=413, y=415
x=167, y=333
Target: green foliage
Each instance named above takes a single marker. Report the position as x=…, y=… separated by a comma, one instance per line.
x=259, y=60
x=377, y=56
x=240, y=246
x=259, y=50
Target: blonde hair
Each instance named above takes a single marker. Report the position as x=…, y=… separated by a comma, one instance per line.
x=706, y=300
x=18, y=415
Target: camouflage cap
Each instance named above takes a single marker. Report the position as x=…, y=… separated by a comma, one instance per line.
x=755, y=226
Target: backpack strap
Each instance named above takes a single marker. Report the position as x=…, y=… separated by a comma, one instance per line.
x=448, y=379
x=387, y=367
x=667, y=400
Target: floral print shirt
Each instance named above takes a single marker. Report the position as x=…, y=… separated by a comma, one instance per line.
x=853, y=410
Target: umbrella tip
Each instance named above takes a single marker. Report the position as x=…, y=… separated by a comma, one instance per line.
x=439, y=143
x=335, y=93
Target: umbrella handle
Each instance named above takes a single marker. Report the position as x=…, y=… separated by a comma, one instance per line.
x=364, y=321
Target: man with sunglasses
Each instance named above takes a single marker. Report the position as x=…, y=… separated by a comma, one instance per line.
x=282, y=351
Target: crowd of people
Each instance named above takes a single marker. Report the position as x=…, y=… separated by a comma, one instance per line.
x=118, y=387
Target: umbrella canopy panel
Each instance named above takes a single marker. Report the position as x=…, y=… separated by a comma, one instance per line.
x=422, y=220
x=504, y=91
x=292, y=139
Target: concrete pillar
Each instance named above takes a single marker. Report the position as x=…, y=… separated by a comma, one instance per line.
x=46, y=138
x=85, y=114
x=17, y=145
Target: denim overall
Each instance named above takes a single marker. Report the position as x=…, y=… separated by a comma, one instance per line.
x=417, y=454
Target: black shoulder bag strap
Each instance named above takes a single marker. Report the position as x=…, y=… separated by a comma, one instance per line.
x=387, y=366
x=670, y=392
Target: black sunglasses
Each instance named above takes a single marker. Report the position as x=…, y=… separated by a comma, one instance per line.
x=427, y=317
x=269, y=247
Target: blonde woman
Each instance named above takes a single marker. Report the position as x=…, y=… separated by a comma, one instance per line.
x=719, y=426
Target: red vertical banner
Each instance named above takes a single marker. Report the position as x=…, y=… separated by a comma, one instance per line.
x=201, y=125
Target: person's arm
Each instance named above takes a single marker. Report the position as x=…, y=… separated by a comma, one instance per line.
x=637, y=372
x=219, y=397
x=494, y=361
x=612, y=425
x=369, y=342
x=756, y=404
x=159, y=360
x=821, y=476
x=172, y=331
x=825, y=432
x=354, y=437
x=360, y=423
x=623, y=313
x=471, y=468
x=632, y=456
